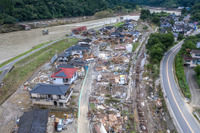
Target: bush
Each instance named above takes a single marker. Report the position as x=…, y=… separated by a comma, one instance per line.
x=103, y=14
x=180, y=37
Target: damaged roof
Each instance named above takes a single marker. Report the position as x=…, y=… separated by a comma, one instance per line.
x=65, y=66
x=34, y=121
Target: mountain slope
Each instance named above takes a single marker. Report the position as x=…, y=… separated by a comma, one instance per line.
x=12, y=10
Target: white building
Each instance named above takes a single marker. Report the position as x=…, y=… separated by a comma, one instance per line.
x=65, y=76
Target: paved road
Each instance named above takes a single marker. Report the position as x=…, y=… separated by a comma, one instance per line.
x=83, y=123
x=194, y=88
x=184, y=120
x=3, y=74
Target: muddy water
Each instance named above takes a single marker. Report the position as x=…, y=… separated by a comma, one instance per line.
x=15, y=43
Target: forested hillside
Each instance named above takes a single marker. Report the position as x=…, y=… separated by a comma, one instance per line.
x=166, y=3
x=22, y=10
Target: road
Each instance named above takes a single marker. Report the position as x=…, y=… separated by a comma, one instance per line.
x=194, y=88
x=184, y=120
x=83, y=123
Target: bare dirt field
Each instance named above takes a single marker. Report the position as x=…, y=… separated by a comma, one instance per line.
x=15, y=43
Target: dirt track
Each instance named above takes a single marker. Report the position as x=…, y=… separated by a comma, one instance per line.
x=15, y=43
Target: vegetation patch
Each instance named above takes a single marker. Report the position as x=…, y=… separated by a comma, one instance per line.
x=14, y=58
x=181, y=75
x=119, y=24
x=21, y=73
x=152, y=17
x=157, y=45
x=197, y=76
x=103, y=14
x=135, y=45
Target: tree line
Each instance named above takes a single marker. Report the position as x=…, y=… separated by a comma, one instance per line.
x=152, y=17
x=157, y=45
x=166, y=3
x=12, y=11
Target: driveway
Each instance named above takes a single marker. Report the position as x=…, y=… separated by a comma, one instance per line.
x=194, y=88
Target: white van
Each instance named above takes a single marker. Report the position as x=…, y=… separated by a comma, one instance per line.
x=59, y=126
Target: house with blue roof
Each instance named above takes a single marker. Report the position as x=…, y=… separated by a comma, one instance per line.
x=51, y=95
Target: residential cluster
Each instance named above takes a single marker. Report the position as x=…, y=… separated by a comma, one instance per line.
x=177, y=24
x=54, y=86
x=68, y=66
x=108, y=51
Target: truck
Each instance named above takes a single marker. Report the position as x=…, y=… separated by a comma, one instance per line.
x=79, y=30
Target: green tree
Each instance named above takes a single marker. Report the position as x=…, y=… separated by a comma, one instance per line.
x=145, y=14
x=197, y=70
x=183, y=11
x=156, y=20
x=157, y=51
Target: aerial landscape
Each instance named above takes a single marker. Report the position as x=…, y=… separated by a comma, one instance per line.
x=100, y=66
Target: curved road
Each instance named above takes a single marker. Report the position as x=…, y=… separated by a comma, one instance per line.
x=184, y=120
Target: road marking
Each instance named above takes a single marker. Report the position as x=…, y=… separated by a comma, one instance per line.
x=173, y=93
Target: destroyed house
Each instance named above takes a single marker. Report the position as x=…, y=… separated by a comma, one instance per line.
x=118, y=30
x=84, y=45
x=128, y=26
x=64, y=57
x=64, y=76
x=77, y=50
x=88, y=40
x=109, y=27
x=77, y=62
x=51, y=95
x=117, y=36
x=65, y=66
x=34, y=121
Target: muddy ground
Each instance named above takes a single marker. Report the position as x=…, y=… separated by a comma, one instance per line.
x=15, y=43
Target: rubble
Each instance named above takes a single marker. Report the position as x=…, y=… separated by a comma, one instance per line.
x=108, y=108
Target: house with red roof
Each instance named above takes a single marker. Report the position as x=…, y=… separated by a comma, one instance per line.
x=65, y=76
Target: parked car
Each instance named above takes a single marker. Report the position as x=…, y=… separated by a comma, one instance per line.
x=60, y=125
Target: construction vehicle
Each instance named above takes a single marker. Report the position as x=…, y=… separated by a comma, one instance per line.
x=79, y=30
x=45, y=32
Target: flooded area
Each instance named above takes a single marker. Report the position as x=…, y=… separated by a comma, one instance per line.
x=15, y=43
